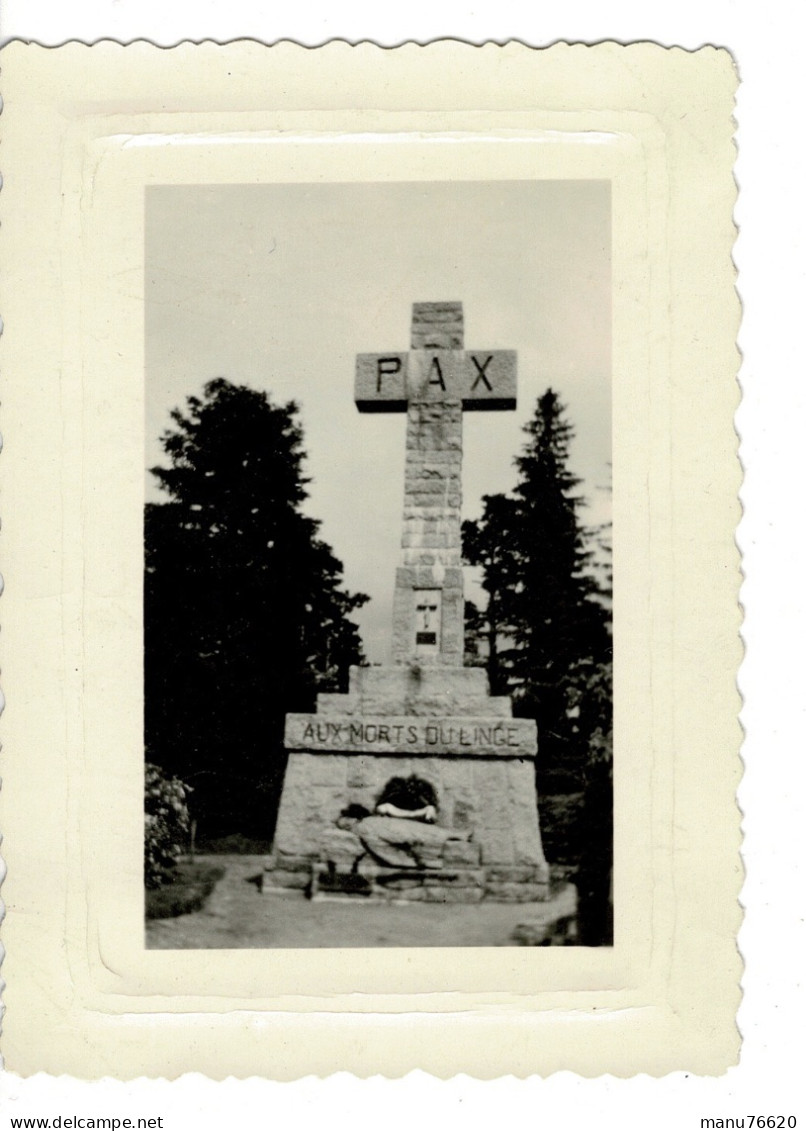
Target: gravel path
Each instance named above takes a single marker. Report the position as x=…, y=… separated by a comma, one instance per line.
x=238, y=916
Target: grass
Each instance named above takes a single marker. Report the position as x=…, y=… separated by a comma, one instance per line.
x=238, y=916
x=188, y=891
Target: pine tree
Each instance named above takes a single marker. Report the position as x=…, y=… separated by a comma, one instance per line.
x=245, y=614
x=549, y=587
x=548, y=633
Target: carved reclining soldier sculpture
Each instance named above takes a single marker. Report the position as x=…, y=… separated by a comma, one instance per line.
x=401, y=833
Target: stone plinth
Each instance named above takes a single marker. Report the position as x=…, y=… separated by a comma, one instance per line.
x=442, y=725
x=417, y=691
x=492, y=800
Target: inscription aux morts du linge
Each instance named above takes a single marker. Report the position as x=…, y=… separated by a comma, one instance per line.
x=513, y=738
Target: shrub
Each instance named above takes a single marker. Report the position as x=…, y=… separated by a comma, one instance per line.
x=188, y=890
x=166, y=824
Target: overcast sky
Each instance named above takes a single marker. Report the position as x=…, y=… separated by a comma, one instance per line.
x=279, y=286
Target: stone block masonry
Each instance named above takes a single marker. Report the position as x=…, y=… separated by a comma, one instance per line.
x=508, y=851
x=431, y=539
x=437, y=325
x=432, y=501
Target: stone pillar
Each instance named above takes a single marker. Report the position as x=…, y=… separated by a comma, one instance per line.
x=429, y=600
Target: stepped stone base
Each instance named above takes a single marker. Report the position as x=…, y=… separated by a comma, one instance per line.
x=369, y=879
x=442, y=725
x=416, y=690
x=450, y=885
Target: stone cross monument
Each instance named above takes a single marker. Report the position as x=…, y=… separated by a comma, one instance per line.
x=433, y=384
x=425, y=717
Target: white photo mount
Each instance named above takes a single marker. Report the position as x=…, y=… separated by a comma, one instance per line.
x=86, y=130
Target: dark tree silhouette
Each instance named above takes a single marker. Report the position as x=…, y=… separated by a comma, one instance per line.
x=245, y=614
x=490, y=543
x=548, y=632
x=547, y=629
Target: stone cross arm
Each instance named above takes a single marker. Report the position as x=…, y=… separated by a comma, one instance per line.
x=483, y=380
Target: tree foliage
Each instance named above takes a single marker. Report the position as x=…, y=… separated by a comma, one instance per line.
x=547, y=629
x=246, y=616
x=549, y=644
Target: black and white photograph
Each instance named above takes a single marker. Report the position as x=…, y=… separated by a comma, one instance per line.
x=378, y=651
